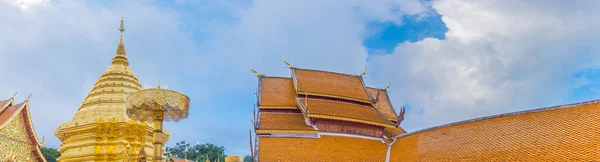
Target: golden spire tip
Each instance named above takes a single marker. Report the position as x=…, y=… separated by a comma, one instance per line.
x=122, y=26
x=158, y=82
x=288, y=64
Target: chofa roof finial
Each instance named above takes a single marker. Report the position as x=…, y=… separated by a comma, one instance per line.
x=28, y=97
x=363, y=73
x=288, y=64
x=13, y=97
x=43, y=141
x=388, y=86
x=400, y=116
x=254, y=71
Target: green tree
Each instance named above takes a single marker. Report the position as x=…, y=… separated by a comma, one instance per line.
x=197, y=152
x=247, y=158
x=179, y=149
x=50, y=154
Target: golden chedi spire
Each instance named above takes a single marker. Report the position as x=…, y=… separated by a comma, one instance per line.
x=114, y=85
x=104, y=109
x=120, y=56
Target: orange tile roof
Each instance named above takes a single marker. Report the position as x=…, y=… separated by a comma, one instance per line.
x=276, y=92
x=283, y=121
x=9, y=112
x=326, y=148
x=393, y=132
x=341, y=109
x=331, y=84
x=562, y=133
x=384, y=105
x=4, y=104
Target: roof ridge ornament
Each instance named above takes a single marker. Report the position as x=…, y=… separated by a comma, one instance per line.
x=28, y=97
x=288, y=64
x=13, y=97
x=363, y=73
x=254, y=71
x=43, y=141
x=388, y=86
x=401, y=116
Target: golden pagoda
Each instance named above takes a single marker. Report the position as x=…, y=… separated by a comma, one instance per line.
x=100, y=129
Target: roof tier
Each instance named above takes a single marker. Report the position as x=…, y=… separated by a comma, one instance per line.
x=329, y=84
x=272, y=122
x=4, y=104
x=383, y=105
x=327, y=109
x=326, y=148
x=9, y=112
x=276, y=92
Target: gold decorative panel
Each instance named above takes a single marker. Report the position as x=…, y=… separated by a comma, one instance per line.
x=13, y=138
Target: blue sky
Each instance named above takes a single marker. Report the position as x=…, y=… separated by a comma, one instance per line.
x=447, y=60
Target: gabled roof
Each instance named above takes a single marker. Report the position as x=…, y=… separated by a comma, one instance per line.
x=277, y=92
x=327, y=109
x=383, y=105
x=274, y=122
x=330, y=84
x=5, y=104
x=10, y=112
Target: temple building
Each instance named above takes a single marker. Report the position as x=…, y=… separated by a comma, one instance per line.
x=325, y=116
x=18, y=140
x=100, y=130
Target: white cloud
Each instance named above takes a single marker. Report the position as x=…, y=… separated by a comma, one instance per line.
x=498, y=56
x=57, y=52
x=25, y=5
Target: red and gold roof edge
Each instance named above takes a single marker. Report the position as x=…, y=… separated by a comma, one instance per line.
x=333, y=96
x=279, y=107
x=23, y=109
x=265, y=131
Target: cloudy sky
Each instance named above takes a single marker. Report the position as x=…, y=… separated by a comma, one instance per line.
x=447, y=60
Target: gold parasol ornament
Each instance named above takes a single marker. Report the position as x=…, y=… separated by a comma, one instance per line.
x=144, y=104
x=157, y=105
